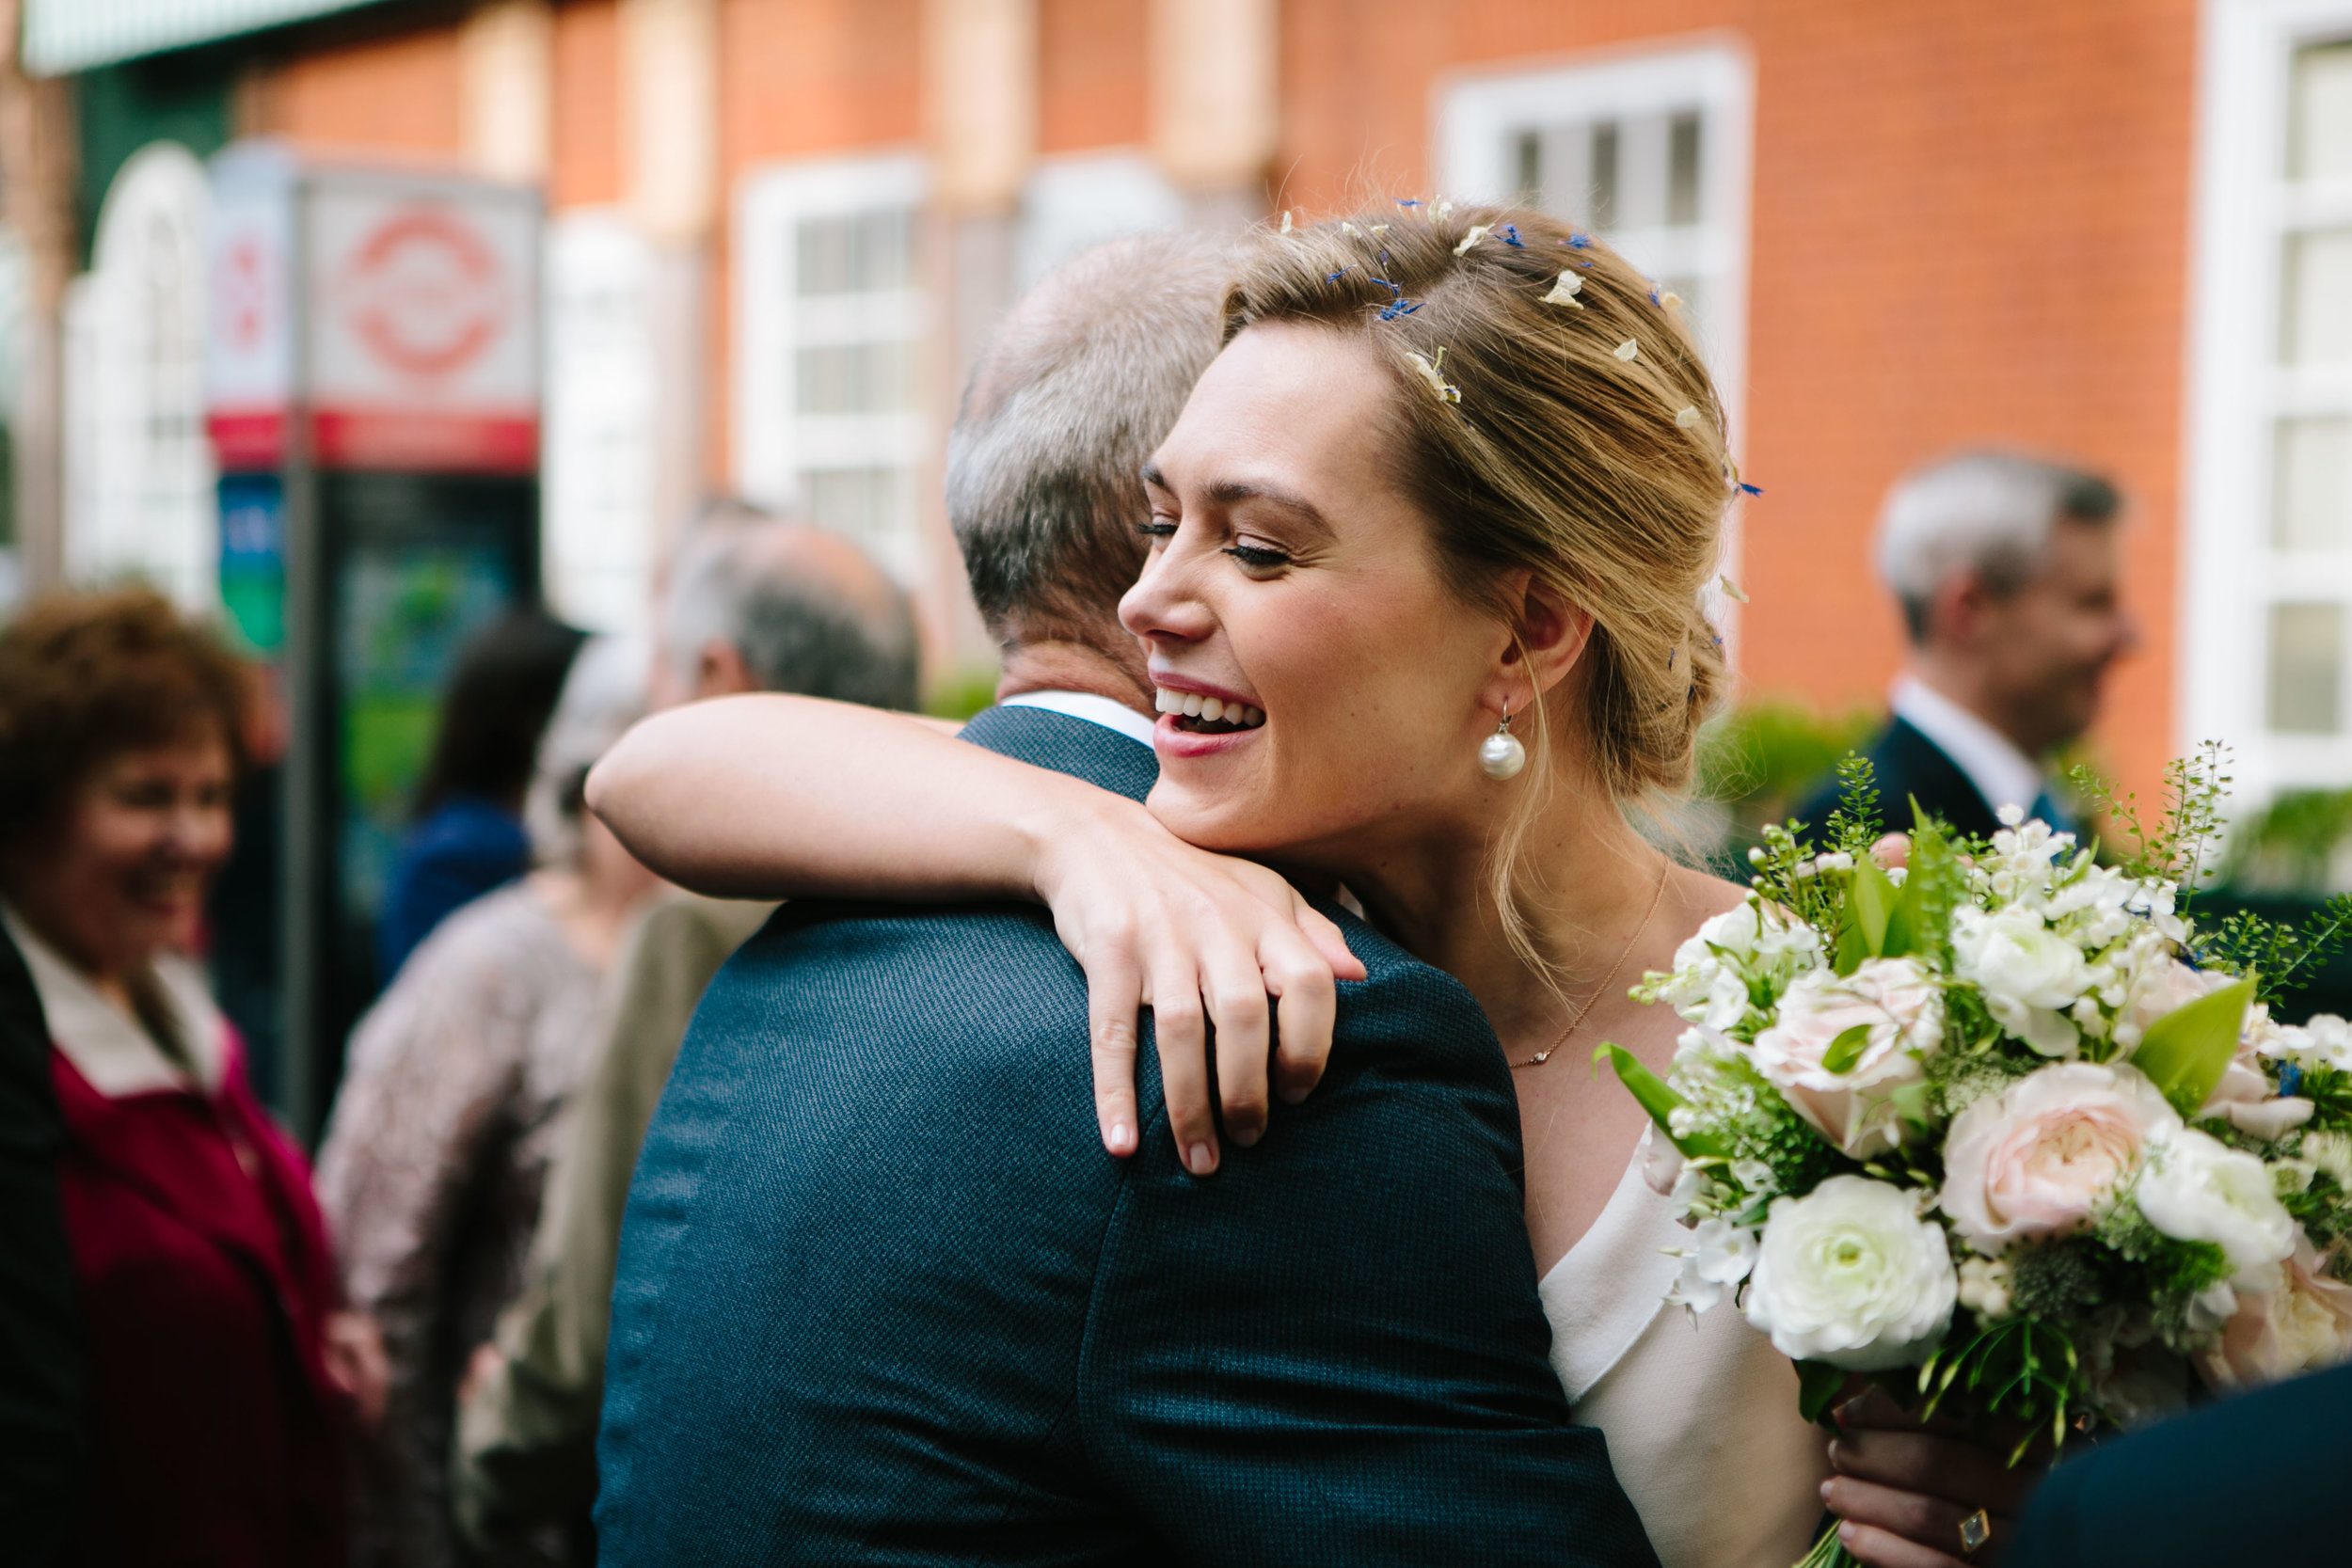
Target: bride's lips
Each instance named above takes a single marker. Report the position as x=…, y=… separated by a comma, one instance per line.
x=1174, y=739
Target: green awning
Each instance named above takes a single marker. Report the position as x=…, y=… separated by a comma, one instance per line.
x=66, y=36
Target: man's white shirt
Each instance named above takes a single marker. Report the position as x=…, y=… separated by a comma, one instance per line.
x=1092, y=708
x=2004, y=775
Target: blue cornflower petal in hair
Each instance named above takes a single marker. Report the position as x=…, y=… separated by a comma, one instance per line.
x=1579, y=240
x=1335, y=277
x=1654, y=298
x=1751, y=489
x=1406, y=201
x=1510, y=237
x=1670, y=657
x=1386, y=284
x=1399, y=307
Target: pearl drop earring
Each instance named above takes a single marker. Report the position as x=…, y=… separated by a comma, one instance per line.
x=1500, y=756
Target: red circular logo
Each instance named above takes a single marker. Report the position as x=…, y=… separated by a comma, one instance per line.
x=424, y=293
x=244, y=293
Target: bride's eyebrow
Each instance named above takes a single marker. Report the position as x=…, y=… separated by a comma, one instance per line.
x=1231, y=492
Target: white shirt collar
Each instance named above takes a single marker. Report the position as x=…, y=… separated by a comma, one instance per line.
x=1087, y=706
x=2004, y=775
x=105, y=1044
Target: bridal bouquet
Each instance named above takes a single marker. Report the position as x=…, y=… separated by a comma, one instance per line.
x=2003, y=1127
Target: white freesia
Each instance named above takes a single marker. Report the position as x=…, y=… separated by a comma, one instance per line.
x=2040, y=1157
x=2324, y=1040
x=2197, y=1188
x=1984, y=1286
x=1708, y=984
x=1851, y=1275
x=1721, y=1255
x=1897, y=1005
x=2029, y=974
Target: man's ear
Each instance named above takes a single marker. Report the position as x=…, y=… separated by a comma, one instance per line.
x=1550, y=634
x=1958, y=610
x=720, y=671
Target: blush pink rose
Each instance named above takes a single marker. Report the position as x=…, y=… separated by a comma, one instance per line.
x=2301, y=1326
x=2037, y=1159
x=1900, y=1012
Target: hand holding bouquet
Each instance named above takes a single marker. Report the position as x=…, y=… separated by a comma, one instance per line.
x=2004, y=1129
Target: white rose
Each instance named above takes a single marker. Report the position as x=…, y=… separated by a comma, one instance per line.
x=2029, y=974
x=2038, y=1159
x=1851, y=1275
x=1719, y=1257
x=1895, y=1002
x=2301, y=1326
x=2196, y=1188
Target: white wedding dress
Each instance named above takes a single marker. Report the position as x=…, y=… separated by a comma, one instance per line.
x=1701, y=1417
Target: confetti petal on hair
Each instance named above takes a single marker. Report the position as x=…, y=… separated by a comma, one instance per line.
x=1627, y=350
x=1446, y=390
x=1510, y=237
x=1335, y=277
x=1672, y=300
x=1579, y=240
x=1477, y=232
x=1670, y=657
x=1564, y=291
x=1396, y=307
x=1286, y=220
x=1440, y=208
x=1386, y=284
x=1685, y=417
x=1731, y=590
x=1379, y=229
x=1406, y=201
x=1751, y=489
x=1654, y=298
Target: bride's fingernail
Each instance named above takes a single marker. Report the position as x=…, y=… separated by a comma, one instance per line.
x=1198, y=1159
x=1121, y=1138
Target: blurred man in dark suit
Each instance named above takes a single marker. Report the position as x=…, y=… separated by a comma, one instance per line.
x=2007, y=571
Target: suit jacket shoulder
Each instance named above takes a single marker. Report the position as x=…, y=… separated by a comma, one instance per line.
x=1908, y=766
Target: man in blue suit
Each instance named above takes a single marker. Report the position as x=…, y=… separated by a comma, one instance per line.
x=881, y=1296
x=2009, y=575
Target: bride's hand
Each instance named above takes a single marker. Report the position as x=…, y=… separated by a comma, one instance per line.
x=1903, y=1487
x=1204, y=940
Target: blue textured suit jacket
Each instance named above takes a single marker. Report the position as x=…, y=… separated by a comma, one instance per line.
x=883, y=1297
x=1908, y=765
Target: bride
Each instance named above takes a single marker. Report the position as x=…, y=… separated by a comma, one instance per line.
x=1424, y=617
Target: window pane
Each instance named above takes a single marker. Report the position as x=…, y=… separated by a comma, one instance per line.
x=852, y=378
x=870, y=505
x=2321, y=147
x=1530, y=162
x=853, y=253
x=2306, y=665
x=1604, y=211
x=2311, y=495
x=2317, y=328
x=1683, y=170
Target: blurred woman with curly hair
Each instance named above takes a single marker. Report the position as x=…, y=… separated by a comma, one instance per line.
x=222, y=1376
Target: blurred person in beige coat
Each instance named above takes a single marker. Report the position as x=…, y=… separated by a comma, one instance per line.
x=753, y=605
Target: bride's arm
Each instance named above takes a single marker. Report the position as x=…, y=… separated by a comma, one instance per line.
x=778, y=797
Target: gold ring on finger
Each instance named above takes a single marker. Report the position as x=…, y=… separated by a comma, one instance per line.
x=1975, y=1532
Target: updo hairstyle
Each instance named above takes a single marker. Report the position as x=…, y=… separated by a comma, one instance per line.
x=1551, y=415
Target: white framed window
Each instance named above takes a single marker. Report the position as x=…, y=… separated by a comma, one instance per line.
x=829, y=403
x=600, y=427
x=2266, y=597
x=1651, y=150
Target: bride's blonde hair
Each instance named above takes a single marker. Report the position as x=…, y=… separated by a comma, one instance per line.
x=1553, y=415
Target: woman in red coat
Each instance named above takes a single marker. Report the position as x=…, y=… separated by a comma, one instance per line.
x=222, y=1378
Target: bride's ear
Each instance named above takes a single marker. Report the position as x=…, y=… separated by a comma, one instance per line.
x=1549, y=634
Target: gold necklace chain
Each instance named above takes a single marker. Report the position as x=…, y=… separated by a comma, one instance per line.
x=1593, y=1001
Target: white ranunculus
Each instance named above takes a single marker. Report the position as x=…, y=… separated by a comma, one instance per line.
x=2196, y=1188
x=1851, y=1275
x=2040, y=1157
x=2029, y=974
x=1720, y=1255
x=1896, y=1000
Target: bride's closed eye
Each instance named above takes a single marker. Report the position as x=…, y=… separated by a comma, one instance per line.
x=1259, y=558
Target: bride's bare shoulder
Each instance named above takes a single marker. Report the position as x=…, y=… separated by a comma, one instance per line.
x=1704, y=895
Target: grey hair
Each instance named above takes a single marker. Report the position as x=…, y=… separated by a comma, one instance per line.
x=800, y=624
x=1080, y=383
x=604, y=694
x=1990, y=513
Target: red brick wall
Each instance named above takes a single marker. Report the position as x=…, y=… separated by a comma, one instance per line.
x=396, y=95
x=1093, y=82
x=585, y=133
x=1970, y=224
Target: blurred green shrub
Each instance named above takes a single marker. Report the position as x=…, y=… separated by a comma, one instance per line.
x=960, y=693
x=2296, y=844
x=1758, y=761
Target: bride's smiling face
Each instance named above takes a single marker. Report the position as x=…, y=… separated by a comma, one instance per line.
x=1294, y=582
